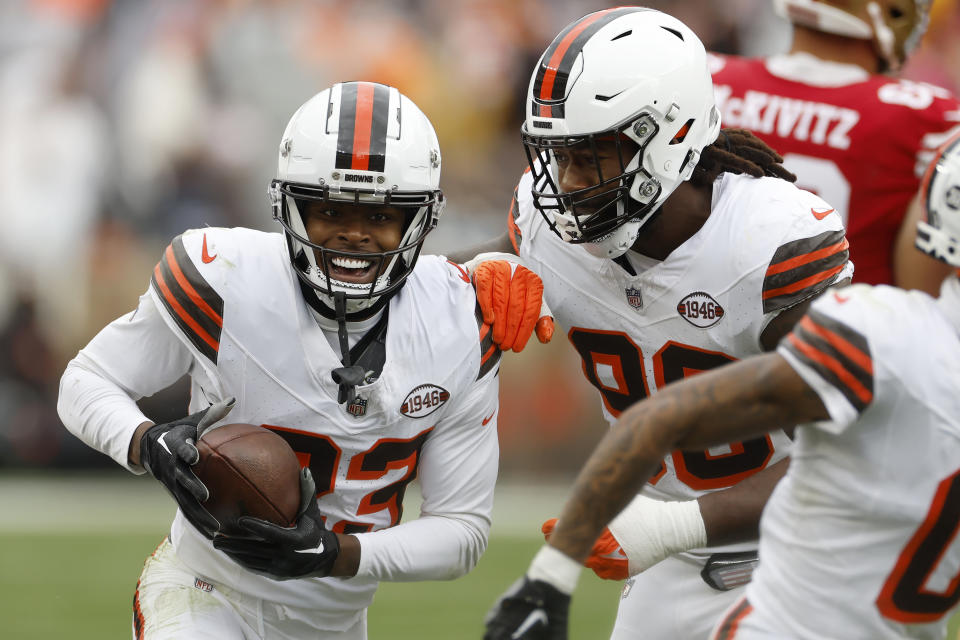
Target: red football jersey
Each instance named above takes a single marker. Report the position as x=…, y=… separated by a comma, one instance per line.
x=858, y=140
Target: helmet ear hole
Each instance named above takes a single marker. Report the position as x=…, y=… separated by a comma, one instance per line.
x=682, y=133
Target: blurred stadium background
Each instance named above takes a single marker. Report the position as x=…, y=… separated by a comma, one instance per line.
x=124, y=122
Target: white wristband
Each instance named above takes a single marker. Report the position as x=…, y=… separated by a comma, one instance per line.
x=471, y=264
x=555, y=568
x=651, y=530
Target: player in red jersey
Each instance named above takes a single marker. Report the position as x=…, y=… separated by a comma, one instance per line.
x=856, y=136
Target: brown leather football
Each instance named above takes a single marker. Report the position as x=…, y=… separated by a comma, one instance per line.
x=249, y=470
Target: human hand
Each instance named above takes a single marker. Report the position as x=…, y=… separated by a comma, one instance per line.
x=529, y=610
x=307, y=549
x=511, y=299
x=169, y=450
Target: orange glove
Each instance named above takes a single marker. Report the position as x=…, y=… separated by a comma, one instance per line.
x=606, y=557
x=511, y=299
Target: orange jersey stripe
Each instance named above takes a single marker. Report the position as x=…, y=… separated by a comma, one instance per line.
x=803, y=284
x=138, y=622
x=514, y=230
x=807, y=258
x=484, y=330
x=188, y=288
x=728, y=630
x=362, y=127
x=546, y=88
x=858, y=357
x=172, y=301
x=831, y=363
x=492, y=350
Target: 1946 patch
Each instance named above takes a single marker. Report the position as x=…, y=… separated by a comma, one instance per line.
x=700, y=309
x=424, y=400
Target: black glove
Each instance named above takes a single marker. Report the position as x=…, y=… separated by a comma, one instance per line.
x=529, y=610
x=306, y=549
x=169, y=450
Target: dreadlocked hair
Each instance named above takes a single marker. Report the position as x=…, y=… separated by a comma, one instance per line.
x=738, y=151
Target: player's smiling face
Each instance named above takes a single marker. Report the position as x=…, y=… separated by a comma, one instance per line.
x=354, y=228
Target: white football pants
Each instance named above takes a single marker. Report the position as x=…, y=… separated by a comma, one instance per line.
x=670, y=600
x=173, y=603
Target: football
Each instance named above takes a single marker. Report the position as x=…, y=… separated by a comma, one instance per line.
x=249, y=471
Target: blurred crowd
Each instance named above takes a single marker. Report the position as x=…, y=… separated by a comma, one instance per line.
x=124, y=122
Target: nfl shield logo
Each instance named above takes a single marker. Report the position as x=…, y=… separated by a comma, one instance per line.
x=358, y=407
x=634, y=298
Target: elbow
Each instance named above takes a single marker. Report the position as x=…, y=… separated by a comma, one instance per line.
x=67, y=392
x=473, y=545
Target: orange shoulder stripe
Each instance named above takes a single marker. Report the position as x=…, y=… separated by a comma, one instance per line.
x=803, y=284
x=830, y=363
x=807, y=258
x=172, y=301
x=857, y=356
x=188, y=288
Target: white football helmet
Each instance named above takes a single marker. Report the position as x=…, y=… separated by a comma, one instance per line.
x=938, y=234
x=894, y=26
x=625, y=73
x=362, y=143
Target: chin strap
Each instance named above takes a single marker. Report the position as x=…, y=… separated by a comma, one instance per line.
x=348, y=376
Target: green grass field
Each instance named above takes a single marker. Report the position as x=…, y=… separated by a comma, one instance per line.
x=81, y=587
x=71, y=550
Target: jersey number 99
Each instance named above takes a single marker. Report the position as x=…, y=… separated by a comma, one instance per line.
x=614, y=364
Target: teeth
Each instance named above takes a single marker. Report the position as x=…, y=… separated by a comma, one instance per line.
x=350, y=263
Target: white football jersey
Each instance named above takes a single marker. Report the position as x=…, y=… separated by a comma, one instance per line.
x=859, y=540
x=765, y=247
x=231, y=297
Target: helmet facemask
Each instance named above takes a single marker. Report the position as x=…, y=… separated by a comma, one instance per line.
x=593, y=215
x=311, y=261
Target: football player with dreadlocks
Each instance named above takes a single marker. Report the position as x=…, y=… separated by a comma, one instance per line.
x=666, y=248
x=372, y=361
x=859, y=540
x=851, y=131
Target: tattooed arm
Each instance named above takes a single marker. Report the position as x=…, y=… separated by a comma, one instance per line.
x=730, y=404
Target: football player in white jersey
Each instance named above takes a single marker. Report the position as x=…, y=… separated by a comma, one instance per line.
x=859, y=540
x=665, y=250
x=375, y=366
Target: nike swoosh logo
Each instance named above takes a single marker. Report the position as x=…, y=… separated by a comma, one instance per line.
x=206, y=257
x=163, y=443
x=535, y=617
x=317, y=550
x=839, y=298
x=488, y=419
x=820, y=215
x=463, y=274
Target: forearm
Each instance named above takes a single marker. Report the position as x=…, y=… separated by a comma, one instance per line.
x=133, y=452
x=733, y=515
x=348, y=560
x=499, y=244
x=713, y=408
x=913, y=269
x=100, y=413
x=428, y=548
